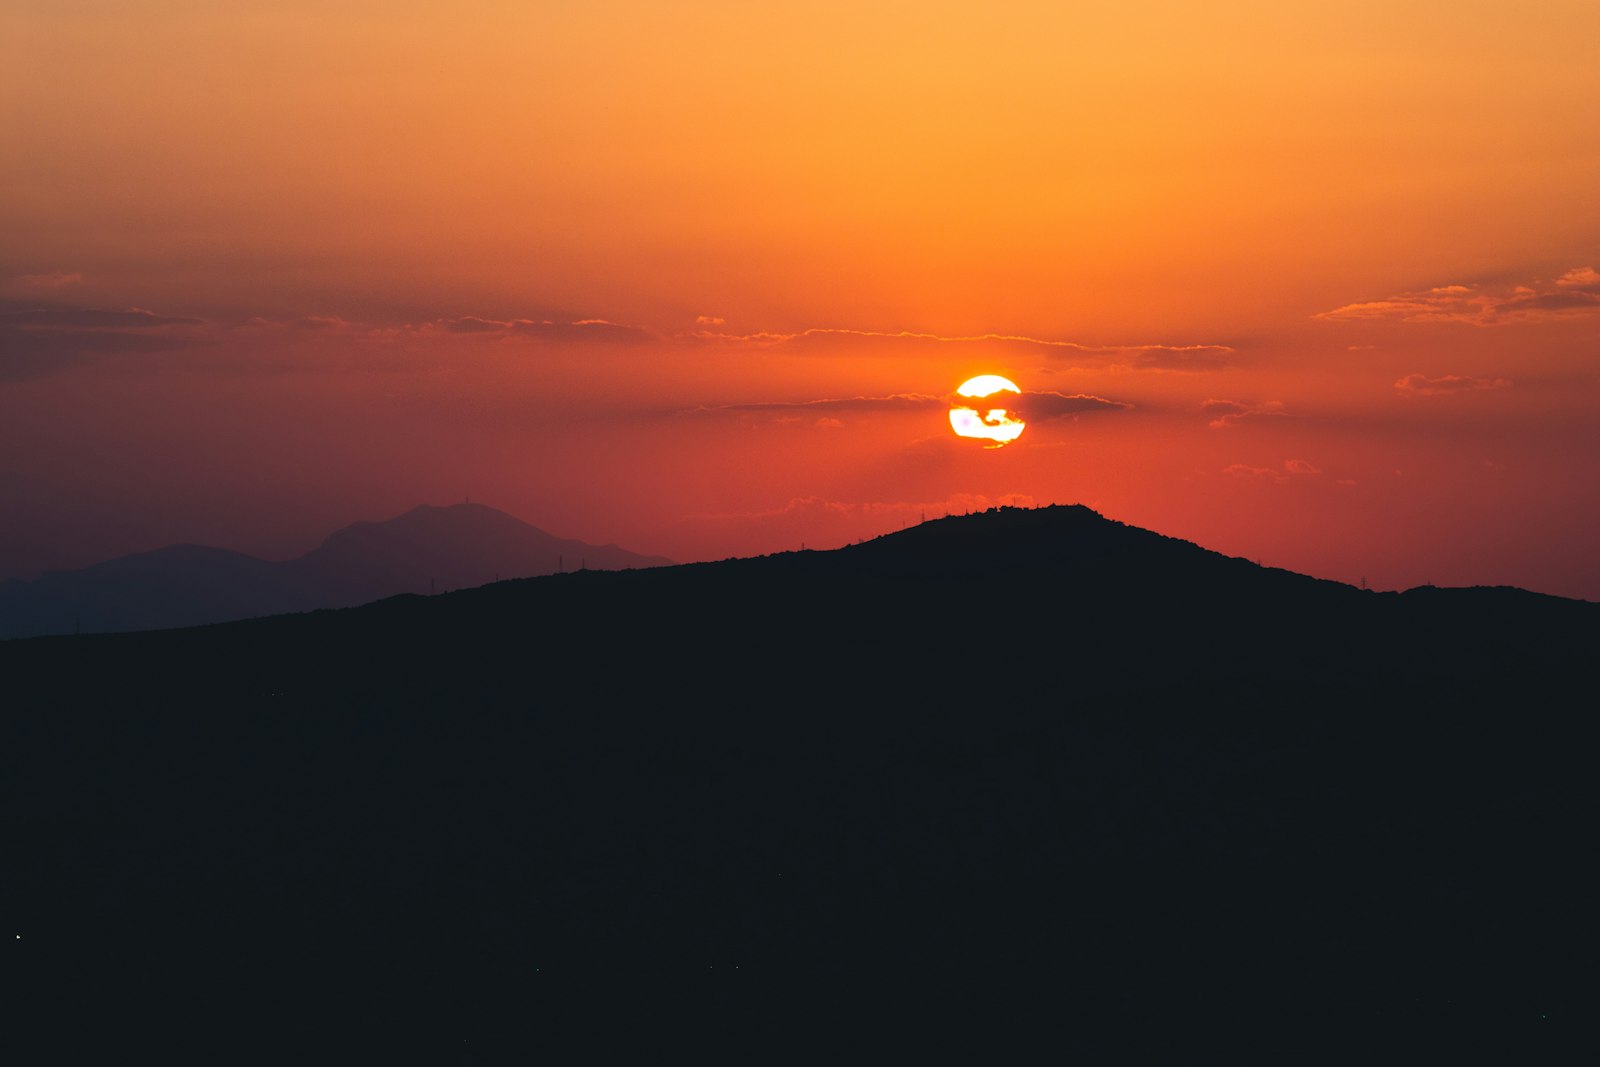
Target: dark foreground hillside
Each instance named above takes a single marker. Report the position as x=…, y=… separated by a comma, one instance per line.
x=1030, y=769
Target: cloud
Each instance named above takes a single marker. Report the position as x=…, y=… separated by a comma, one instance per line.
x=320, y=322
x=74, y=318
x=315, y=324
x=893, y=402
x=1040, y=406
x=1227, y=413
x=1447, y=385
x=1192, y=357
x=1292, y=468
x=1244, y=470
x=49, y=279
x=1045, y=406
x=708, y=330
x=473, y=324
x=594, y=330
x=1576, y=291
x=36, y=340
x=1586, y=279
x=581, y=330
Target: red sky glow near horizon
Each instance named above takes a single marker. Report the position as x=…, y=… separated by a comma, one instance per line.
x=1315, y=287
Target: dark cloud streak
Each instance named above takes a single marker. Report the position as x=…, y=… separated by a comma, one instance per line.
x=1448, y=384
x=1576, y=291
x=72, y=318
x=40, y=340
x=1196, y=357
x=1042, y=406
x=582, y=330
x=1047, y=406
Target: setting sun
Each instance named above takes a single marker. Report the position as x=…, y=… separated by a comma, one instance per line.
x=700, y=278
x=1000, y=426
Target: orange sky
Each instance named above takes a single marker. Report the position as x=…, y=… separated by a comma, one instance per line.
x=1318, y=288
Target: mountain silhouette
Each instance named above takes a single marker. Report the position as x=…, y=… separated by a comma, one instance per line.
x=426, y=549
x=1140, y=800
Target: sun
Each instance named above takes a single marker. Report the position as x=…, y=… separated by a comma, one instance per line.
x=975, y=410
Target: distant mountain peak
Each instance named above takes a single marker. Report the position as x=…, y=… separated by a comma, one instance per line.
x=430, y=548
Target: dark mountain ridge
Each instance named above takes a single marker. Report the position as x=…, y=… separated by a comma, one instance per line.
x=437, y=548
x=1156, y=804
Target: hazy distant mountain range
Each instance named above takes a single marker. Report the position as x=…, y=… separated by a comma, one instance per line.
x=426, y=549
x=1137, y=800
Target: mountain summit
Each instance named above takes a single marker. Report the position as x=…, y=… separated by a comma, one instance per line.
x=427, y=549
x=1033, y=743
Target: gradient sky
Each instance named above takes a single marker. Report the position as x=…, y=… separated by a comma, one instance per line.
x=1316, y=287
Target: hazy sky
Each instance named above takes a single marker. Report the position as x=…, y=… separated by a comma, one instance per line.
x=1320, y=288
